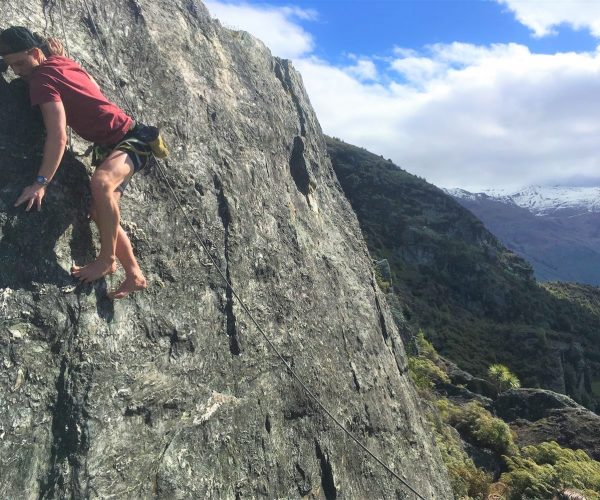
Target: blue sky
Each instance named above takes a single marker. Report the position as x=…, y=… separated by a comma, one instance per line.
x=376, y=26
x=466, y=93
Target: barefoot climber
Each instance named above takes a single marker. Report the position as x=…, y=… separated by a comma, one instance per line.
x=67, y=95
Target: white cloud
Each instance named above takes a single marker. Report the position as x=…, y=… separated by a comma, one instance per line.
x=511, y=118
x=466, y=53
x=544, y=16
x=275, y=26
x=466, y=115
x=364, y=69
x=441, y=59
x=418, y=69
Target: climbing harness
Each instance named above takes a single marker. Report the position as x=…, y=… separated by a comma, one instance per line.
x=94, y=30
x=141, y=141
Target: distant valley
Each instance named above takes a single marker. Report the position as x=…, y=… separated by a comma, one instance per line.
x=556, y=229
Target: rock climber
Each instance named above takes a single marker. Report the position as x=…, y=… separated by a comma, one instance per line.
x=67, y=95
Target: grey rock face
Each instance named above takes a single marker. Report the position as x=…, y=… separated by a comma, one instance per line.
x=173, y=393
x=576, y=428
x=530, y=404
x=538, y=415
x=473, y=384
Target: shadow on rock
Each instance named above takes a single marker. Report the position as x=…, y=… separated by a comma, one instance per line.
x=37, y=247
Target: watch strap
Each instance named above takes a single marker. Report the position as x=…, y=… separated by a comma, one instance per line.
x=40, y=179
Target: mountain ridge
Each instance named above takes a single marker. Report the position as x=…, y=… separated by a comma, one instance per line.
x=556, y=229
x=540, y=200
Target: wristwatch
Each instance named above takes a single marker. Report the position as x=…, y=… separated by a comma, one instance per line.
x=40, y=179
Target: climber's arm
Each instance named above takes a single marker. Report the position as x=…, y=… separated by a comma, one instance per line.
x=54, y=147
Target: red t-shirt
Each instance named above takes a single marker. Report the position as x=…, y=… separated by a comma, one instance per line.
x=89, y=113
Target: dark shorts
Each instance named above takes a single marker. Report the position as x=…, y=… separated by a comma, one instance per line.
x=135, y=143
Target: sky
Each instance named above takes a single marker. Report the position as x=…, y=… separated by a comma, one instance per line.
x=476, y=94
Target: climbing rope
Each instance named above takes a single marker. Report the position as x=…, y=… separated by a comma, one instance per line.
x=95, y=32
x=62, y=22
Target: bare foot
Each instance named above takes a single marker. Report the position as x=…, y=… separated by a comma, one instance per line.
x=131, y=283
x=94, y=271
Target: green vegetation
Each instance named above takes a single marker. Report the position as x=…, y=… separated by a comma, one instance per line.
x=467, y=480
x=424, y=373
x=423, y=369
x=383, y=284
x=479, y=426
x=425, y=347
x=596, y=388
x=502, y=378
x=532, y=473
x=541, y=470
x=476, y=301
x=479, y=305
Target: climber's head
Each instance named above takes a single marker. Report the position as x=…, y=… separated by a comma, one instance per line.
x=21, y=50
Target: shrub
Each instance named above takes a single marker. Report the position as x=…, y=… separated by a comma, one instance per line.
x=384, y=283
x=479, y=426
x=467, y=480
x=425, y=347
x=503, y=378
x=423, y=370
x=542, y=470
x=425, y=373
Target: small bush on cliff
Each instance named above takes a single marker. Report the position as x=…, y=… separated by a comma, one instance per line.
x=544, y=469
x=479, y=426
x=426, y=348
x=503, y=378
x=383, y=284
x=425, y=373
x=423, y=369
x=468, y=482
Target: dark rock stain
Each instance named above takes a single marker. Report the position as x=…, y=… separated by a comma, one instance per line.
x=225, y=216
x=327, y=481
x=298, y=167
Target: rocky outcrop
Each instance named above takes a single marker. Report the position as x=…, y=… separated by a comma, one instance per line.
x=461, y=378
x=173, y=393
x=537, y=416
x=530, y=404
x=576, y=428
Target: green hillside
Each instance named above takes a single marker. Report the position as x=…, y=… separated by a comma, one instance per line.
x=477, y=301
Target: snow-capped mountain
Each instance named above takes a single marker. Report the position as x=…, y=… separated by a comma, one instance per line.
x=557, y=229
x=541, y=200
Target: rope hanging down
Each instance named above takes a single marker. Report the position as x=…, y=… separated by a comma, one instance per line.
x=62, y=22
x=95, y=32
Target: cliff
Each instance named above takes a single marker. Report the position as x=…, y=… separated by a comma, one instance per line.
x=172, y=392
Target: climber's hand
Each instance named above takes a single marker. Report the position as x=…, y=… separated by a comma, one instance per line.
x=55, y=47
x=33, y=194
